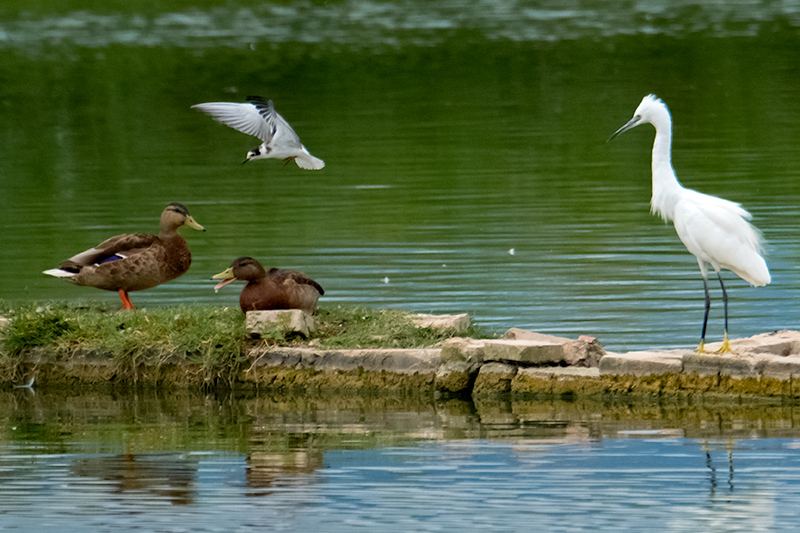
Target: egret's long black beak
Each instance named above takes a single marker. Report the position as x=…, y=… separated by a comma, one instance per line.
x=632, y=123
x=246, y=160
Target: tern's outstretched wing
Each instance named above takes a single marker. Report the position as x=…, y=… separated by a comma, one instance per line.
x=247, y=118
x=275, y=121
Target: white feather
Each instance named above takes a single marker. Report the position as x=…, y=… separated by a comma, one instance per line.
x=57, y=272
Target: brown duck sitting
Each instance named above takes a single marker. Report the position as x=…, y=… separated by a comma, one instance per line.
x=136, y=261
x=273, y=289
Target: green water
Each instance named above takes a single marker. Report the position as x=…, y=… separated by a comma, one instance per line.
x=452, y=132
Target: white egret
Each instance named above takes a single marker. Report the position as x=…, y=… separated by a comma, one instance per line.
x=259, y=118
x=716, y=231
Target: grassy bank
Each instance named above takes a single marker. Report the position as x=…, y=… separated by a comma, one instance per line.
x=209, y=339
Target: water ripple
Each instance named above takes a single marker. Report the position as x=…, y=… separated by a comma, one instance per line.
x=366, y=23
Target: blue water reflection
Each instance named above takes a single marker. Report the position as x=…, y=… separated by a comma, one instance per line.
x=183, y=460
x=639, y=482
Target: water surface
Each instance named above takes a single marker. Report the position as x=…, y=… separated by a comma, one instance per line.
x=187, y=462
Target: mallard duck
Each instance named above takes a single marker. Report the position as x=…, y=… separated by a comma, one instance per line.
x=271, y=289
x=133, y=262
x=259, y=118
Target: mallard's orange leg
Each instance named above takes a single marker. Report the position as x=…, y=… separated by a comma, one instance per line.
x=126, y=300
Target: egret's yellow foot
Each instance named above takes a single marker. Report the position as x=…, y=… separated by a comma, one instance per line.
x=702, y=347
x=726, y=347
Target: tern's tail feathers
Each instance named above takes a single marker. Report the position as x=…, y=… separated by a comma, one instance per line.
x=309, y=162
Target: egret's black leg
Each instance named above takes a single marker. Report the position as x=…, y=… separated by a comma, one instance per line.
x=701, y=348
x=725, y=345
x=724, y=301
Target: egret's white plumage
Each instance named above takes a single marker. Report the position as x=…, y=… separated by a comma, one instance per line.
x=259, y=118
x=716, y=231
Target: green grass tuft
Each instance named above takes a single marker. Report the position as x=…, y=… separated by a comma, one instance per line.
x=212, y=337
x=32, y=328
x=362, y=327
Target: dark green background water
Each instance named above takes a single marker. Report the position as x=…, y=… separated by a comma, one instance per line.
x=452, y=132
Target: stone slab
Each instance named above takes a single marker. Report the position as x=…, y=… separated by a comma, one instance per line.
x=780, y=367
x=396, y=360
x=644, y=363
x=526, y=335
x=263, y=323
x=557, y=381
x=782, y=343
x=459, y=323
x=711, y=364
x=559, y=371
x=526, y=352
x=494, y=377
x=585, y=351
x=463, y=349
x=453, y=377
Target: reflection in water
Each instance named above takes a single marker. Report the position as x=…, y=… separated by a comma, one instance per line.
x=270, y=461
x=320, y=461
x=164, y=476
x=265, y=469
x=713, y=471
